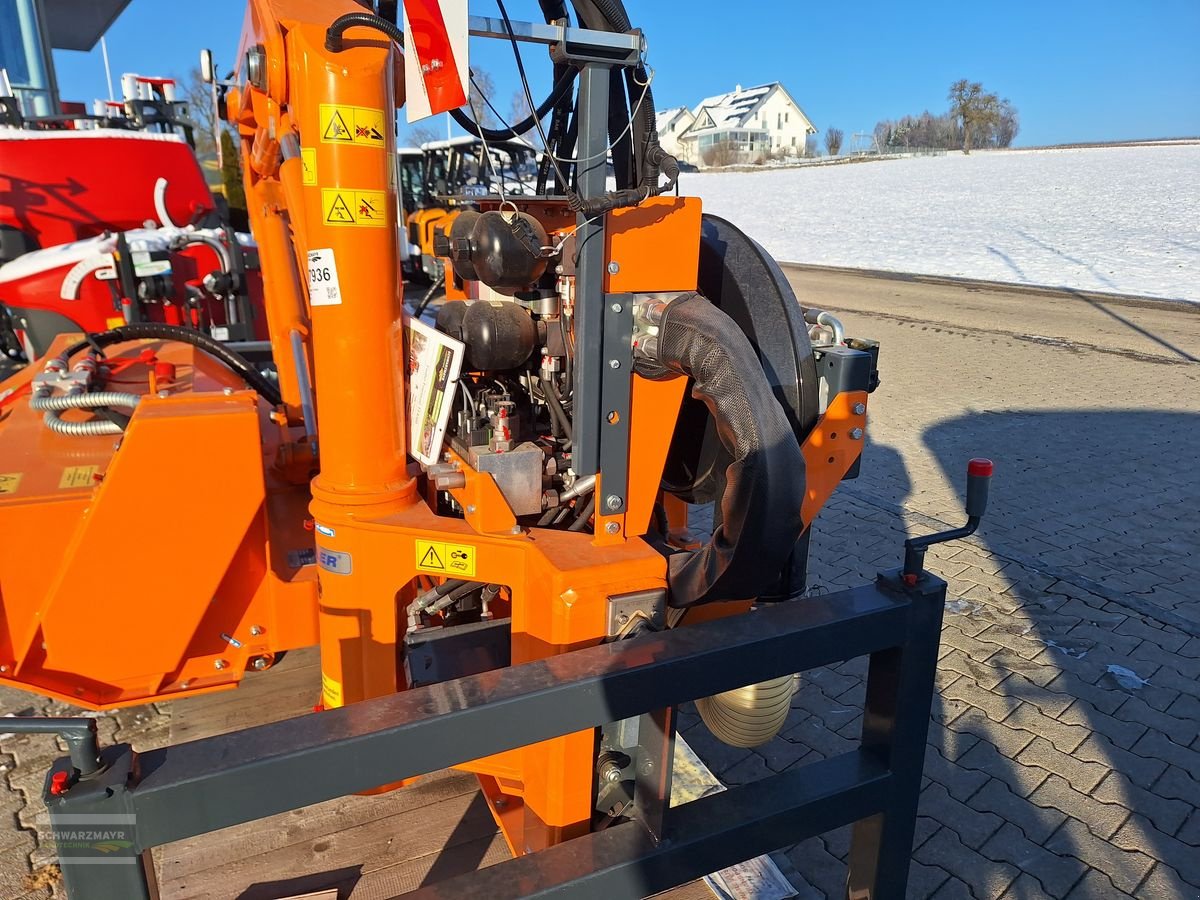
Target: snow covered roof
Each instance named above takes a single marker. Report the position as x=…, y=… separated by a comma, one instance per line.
x=734, y=109
x=665, y=118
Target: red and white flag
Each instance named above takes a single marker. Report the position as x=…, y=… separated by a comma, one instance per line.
x=435, y=56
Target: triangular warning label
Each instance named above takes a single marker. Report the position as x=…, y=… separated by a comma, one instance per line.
x=339, y=212
x=432, y=560
x=336, y=130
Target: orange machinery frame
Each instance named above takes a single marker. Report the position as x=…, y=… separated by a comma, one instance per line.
x=238, y=592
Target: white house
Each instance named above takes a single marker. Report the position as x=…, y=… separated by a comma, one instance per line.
x=744, y=125
x=670, y=124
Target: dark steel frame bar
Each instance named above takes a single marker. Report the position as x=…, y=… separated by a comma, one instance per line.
x=589, y=269
x=193, y=788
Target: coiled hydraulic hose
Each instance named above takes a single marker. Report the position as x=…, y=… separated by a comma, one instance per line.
x=159, y=331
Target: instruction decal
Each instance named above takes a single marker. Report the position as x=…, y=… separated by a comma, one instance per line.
x=78, y=477
x=446, y=559
x=10, y=481
x=323, y=286
x=342, y=206
x=308, y=162
x=361, y=125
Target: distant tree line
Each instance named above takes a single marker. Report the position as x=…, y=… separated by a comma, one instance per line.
x=976, y=118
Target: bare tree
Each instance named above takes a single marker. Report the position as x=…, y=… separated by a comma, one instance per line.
x=1008, y=123
x=519, y=110
x=482, y=87
x=202, y=111
x=721, y=153
x=978, y=111
x=421, y=134
x=833, y=141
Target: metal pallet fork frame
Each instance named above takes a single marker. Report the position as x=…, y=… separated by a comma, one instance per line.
x=193, y=788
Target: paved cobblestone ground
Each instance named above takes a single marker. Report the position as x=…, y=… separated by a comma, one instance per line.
x=1063, y=751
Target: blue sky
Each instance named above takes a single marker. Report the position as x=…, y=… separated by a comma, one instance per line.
x=1077, y=71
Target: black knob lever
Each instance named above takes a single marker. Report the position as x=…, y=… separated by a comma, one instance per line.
x=979, y=479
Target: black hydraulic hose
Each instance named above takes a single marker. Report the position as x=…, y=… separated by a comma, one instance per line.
x=159, y=331
x=556, y=409
x=765, y=485
x=560, y=90
x=620, y=137
x=334, y=41
x=581, y=520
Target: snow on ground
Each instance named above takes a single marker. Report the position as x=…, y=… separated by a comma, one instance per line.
x=1114, y=219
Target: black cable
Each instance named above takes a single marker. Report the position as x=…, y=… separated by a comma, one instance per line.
x=562, y=88
x=159, y=331
x=512, y=39
x=334, y=41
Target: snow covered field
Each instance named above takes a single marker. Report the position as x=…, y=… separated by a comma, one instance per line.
x=1117, y=219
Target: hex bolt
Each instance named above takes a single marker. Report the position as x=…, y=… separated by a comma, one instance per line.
x=184, y=685
x=3, y=668
x=258, y=664
x=614, y=364
x=623, y=619
x=220, y=664
x=256, y=630
x=856, y=434
x=228, y=392
x=860, y=408
x=163, y=395
x=612, y=528
x=613, y=268
x=500, y=802
x=612, y=502
x=471, y=509
x=616, y=307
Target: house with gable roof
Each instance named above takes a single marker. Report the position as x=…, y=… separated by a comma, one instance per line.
x=740, y=126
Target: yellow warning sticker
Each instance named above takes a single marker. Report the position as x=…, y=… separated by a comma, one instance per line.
x=10, y=481
x=447, y=559
x=341, y=206
x=308, y=159
x=114, y=322
x=360, y=125
x=78, y=476
x=331, y=692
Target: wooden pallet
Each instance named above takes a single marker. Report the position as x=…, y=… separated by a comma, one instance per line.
x=353, y=848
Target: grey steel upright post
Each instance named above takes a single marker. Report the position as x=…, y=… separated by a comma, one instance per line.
x=589, y=267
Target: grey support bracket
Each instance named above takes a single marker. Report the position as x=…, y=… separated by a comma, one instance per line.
x=616, y=394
